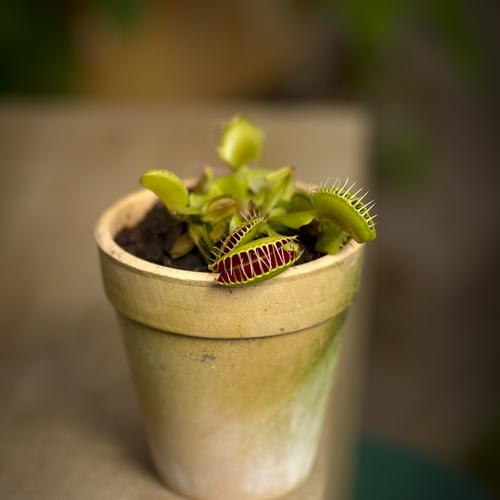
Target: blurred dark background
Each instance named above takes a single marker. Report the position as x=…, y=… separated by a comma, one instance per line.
x=427, y=71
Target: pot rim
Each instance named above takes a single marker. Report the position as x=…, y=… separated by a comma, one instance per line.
x=118, y=215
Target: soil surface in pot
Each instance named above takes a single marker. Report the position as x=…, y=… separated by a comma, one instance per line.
x=153, y=237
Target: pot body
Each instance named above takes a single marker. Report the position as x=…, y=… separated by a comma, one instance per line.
x=233, y=382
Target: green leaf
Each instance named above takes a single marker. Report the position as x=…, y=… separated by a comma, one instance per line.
x=241, y=142
x=235, y=222
x=201, y=238
x=204, y=182
x=257, y=179
x=281, y=173
x=277, y=212
x=219, y=231
x=290, y=190
x=235, y=184
x=294, y=220
x=218, y=208
x=300, y=201
x=168, y=187
x=269, y=231
x=275, y=194
x=195, y=204
x=331, y=238
x=182, y=246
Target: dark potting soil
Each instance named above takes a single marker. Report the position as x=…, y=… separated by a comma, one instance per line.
x=153, y=237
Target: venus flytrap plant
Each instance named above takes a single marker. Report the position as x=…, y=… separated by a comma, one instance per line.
x=242, y=234
x=339, y=206
x=245, y=224
x=257, y=260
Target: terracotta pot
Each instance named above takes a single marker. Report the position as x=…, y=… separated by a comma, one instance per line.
x=233, y=382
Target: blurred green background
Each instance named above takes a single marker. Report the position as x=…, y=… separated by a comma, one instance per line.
x=407, y=59
x=427, y=70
